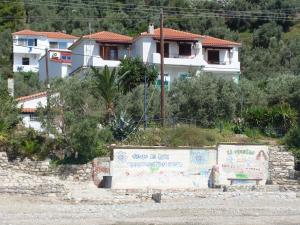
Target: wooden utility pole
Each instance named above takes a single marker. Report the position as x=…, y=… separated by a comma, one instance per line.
x=162, y=72
x=46, y=65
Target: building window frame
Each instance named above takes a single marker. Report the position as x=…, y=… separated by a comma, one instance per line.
x=25, y=61
x=185, y=49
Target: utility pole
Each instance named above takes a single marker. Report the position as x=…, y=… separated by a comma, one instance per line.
x=47, y=90
x=145, y=101
x=162, y=72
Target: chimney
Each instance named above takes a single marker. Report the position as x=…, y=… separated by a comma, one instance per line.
x=151, y=28
x=10, y=86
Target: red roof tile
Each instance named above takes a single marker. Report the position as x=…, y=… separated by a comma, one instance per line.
x=55, y=35
x=209, y=41
x=171, y=34
x=28, y=110
x=33, y=96
x=106, y=36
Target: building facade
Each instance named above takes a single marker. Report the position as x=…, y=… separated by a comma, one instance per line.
x=29, y=105
x=100, y=49
x=29, y=46
x=58, y=65
x=187, y=53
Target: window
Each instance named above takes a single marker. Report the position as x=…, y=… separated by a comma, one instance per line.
x=62, y=45
x=27, y=42
x=109, y=52
x=32, y=42
x=213, y=56
x=185, y=49
x=166, y=49
x=53, y=44
x=33, y=117
x=25, y=61
x=183, y=76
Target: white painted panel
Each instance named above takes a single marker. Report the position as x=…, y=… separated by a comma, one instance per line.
x=244, y=162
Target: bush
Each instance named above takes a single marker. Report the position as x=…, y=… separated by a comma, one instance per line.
x=207, y=99
x=174, y=137
x=292, y=140
x=273, y=121
x=27, y=143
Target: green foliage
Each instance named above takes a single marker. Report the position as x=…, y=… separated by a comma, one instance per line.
x=122, y=127
x=180, y=136
x=205, y=98
x=292, y=140
x=74, y=116
x=265, y=33
x=106, y=83
x=9, y=113
x=132, y=73
x=273, y=121
x=27, y=83
x=27, y=143
x=9, y=10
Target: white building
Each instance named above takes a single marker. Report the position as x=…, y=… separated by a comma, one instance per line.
x=59, y=64
x=186, y=53
x=29, y=46
x=29, y=105
x=100, y=49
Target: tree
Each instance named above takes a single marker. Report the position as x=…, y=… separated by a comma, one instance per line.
x=132, y=73
x=74, y=116
x=265, y=33
x=9, y=112
x=27, y=83
x=106, y=82
x=12, y=15
x=205, y=98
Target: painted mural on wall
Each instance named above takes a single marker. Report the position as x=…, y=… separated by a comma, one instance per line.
x=243, y=163
x=153, y=168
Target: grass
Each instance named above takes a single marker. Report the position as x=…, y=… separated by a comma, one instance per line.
x=195, y=137
x=185, y=136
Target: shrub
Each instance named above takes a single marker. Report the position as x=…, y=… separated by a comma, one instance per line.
x=206, y=98
x=273, y=121
x=292, y=140
x=173, y=137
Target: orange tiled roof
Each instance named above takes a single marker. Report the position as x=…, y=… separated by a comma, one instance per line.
x=209, y=41
x=33, y=96
x=106, y=36
x=28, y=110
x=56, y=35
x=171, y=34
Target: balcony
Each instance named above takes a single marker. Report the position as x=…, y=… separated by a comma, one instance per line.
x=221, y=67
x=99, y=62
x=25, y=68
x=178, y=60
x=28, y=49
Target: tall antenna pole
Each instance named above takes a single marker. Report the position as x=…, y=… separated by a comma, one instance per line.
x=162, y=72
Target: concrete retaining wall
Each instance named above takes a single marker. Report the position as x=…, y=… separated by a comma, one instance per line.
x=161, y=168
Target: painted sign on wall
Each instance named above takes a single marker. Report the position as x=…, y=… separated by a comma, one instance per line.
x=154, y=168
x=243, y=163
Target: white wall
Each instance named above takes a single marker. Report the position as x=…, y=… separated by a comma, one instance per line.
x=33, y=103
x=163, y=169
x=36, y=125
x=34, y=52
x=243, y=161
x=160, y=168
